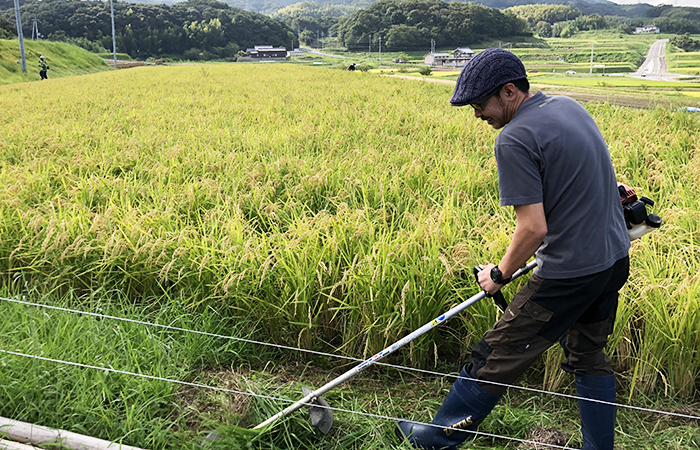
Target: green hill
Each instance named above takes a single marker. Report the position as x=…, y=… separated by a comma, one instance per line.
x=63, y=59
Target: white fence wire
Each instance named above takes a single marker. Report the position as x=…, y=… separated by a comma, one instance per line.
x=250, y=341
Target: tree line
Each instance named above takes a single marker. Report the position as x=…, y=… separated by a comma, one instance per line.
x=8, y=29
x=686, y=43
x=195, y=29
x=604, y=8
x=566, y=20
x=209, y=29
x=408, y=24
x=678, y=20
x=311, y=20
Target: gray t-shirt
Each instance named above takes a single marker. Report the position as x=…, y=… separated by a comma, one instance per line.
x=553, y=152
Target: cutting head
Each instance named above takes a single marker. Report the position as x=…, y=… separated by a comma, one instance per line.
x=320, y=412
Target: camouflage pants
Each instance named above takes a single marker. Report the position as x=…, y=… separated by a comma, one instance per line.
x=579, y=313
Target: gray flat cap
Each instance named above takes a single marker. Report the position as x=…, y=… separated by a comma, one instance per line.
x=484, y=73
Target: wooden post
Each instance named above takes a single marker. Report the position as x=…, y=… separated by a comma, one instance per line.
x=40, y=436
x=12, y=445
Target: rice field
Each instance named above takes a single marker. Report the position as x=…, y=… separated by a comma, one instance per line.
x=324, y=209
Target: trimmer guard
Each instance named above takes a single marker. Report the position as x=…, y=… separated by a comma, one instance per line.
x=321, y=415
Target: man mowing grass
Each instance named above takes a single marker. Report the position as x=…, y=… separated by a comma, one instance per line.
x=555, y=170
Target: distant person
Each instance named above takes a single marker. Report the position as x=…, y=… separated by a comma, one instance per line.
x=352, y=67
x=44, y=67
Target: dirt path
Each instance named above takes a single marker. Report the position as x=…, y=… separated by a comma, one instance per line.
x=124, y=64
x=617, y=100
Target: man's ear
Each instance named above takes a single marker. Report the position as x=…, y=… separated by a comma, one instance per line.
x=509, y=90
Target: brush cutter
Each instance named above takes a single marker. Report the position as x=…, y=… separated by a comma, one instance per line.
x=637, y=220
x=321, y=414
x=638, y=223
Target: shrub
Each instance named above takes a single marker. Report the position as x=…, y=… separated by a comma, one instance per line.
x=425, y=70
x=193, y=54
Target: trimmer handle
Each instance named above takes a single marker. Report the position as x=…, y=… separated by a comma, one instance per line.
x=498, y=297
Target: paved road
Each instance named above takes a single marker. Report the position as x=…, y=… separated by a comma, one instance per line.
x=655, y=62
x=654, y=66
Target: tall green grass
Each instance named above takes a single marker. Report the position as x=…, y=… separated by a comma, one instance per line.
x=119, y=407
x=338, y=210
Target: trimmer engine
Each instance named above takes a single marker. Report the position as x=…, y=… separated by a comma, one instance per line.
x=638, y=221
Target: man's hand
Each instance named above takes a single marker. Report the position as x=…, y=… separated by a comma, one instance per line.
x=485, y=280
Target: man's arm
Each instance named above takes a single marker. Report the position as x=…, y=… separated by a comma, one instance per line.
x=530, y=231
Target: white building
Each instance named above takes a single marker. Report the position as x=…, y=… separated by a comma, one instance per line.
x=435, y=59
x=266, y=52
x=459, y=57
x=647, y=29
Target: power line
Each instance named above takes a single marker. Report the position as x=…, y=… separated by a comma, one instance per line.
x=394, y=366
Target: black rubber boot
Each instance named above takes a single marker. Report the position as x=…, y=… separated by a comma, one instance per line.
x=464, y=408
x=597, y=420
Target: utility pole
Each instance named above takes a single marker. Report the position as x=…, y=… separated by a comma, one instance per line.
x=35, y=25
x=591, y=72
x=369, y=51
x=114, y=38
x=380, y=50
x=21, y=37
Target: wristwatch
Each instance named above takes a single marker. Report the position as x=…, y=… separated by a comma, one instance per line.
x=497, y=276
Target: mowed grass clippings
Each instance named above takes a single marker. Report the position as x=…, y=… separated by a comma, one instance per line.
x=337, y=210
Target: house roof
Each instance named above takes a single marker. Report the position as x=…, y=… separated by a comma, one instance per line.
x=464, y=50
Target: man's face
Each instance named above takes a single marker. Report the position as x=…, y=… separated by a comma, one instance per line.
x=491, y=109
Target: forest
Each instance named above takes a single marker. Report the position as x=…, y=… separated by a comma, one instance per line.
x=269, y=7
x=406, y=24
x=209, y=29
x=679, y=20
x=7, y=29
x=195, y=29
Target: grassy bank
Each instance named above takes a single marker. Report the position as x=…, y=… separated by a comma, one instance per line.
x=63, y=60
x=319, y=209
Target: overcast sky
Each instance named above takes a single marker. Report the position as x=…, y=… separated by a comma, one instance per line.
x=695, y=3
